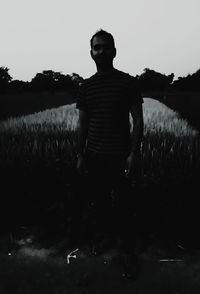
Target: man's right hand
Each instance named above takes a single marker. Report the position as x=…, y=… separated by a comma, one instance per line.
x=80, y=165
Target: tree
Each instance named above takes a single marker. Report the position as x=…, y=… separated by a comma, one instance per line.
x=17, y=86
x=63, y=82
x=151, y=80
x=50, y=80
x=76, y=79
x=44, y=81
x=5, y=79
x=189, y=83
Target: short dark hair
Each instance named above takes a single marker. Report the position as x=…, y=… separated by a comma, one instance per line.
x=103, y=33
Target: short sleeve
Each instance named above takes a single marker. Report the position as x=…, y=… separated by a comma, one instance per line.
x=135, y=93
x=81, y=97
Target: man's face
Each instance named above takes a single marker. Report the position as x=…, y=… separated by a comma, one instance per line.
x=102, y=50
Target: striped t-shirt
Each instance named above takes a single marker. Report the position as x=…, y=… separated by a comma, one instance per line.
x=107, y=99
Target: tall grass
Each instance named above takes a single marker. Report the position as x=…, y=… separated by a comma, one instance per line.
x=170, y=143
x=38, y=156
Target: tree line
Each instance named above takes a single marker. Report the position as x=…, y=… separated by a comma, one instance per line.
x=49, y=80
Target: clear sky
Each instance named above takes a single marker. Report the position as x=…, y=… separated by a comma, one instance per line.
x=39, y=35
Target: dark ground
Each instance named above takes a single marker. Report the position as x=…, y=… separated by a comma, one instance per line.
x=41, y=267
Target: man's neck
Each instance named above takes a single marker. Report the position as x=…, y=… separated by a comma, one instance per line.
x=105, y=69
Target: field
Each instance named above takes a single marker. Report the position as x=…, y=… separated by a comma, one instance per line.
x=37, y=159
x=38, y=165
x=187, y=103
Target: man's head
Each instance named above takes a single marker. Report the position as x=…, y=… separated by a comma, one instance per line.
x=103, y=49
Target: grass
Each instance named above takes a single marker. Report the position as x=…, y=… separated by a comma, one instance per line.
x=38, y=165
x=42, y=147
x=37, y=156
x=187, y=103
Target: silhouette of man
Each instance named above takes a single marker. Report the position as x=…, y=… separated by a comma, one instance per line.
x=108, y=152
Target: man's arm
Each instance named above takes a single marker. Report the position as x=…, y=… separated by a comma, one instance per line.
x=82, y=130
x=138, y=126
x=136, y=138
x=82, y=138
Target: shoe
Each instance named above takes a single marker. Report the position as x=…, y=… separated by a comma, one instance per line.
x=130, y=266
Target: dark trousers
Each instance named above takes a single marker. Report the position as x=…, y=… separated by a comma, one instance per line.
x=103, y=200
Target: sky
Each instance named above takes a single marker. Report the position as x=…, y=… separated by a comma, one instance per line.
x=38, y=35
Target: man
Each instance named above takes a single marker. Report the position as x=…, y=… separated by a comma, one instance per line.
x=106, y=147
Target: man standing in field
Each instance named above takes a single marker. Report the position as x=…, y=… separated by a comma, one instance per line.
x=108, y=153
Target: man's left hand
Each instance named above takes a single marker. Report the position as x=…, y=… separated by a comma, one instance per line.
x=130, y=164
x=133, y=163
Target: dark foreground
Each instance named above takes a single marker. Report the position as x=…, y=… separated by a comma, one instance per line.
x=34, y=242
x=33, y=266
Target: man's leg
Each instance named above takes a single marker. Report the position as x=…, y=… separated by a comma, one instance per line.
x=76, y=208
x=100, y=199
x=127, y=227
x=124, y=211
